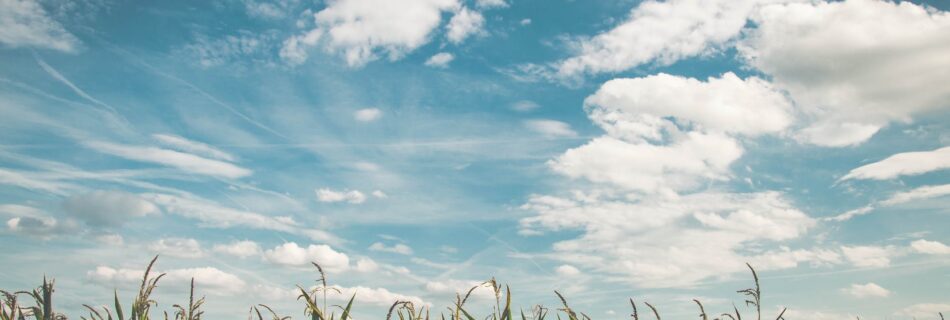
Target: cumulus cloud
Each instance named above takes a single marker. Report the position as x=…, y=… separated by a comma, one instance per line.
x=291, y=254
x=42, y=226
x=659, y=32
x=550, y=128
x=650, y=168
x=240, y=249
x=209, y=279
x=350, y=196
x=868, y=256
x=854, y=66
x=183, y=161
x=464, y=24
x=634, y=108
x=362, y=30
x=658, y=242
x=488, y=4
x=930, y=247
x=667, y=133
x=396, y=248
x=177, y=247
x=367, y=115
x=376, y=296
x=366, y=265
x=24, y=23
x=868, y=290
x=566, y=270
x=903, y=164
x=31, y=221
x=454, y=286
x=108, y=208
x=440, y=60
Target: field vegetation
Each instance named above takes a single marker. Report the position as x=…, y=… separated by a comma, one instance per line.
x=39, y=305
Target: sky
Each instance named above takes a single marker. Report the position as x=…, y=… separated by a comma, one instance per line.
x=607, y=149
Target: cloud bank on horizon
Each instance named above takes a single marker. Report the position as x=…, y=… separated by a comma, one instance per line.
x=416, y=147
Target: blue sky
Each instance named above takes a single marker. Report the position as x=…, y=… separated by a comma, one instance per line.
x=606, y=149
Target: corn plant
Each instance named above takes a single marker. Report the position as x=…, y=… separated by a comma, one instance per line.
x=9, y=309
x=43, y=299
x=191, y=312
x=273, y=315
x=316, y=307
x=313, y=308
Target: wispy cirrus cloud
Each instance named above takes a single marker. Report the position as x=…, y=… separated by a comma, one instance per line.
x=902, y=164
x=24, y=23
x=180, y=160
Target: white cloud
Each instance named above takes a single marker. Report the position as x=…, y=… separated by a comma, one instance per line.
x=291, y=254
x=367, y=115
x=453, y=286
x=489, y=4
x=463, y=24
x=241, y=249
x=868, y=256
x=868, y=290
x=659, y=242
x=525, y=22
x=43, y=226
x=362, y=30
x=207, y=279
x=851, y=214
x=34, y=181
x=634, y=109
x=30, y=221
x=525, y=106
x=566, y=270
x=903, y=164
x=396, y=248
x=659, y=32
x=24, y=23
x=923, y=310
x=233, y=49
x=366, y=265
x=110, y=239
x=350, y=196
x=108, y=208
x=375, y=296
x=550, y=128
x=180, y=160
x=379, y=194
x=854, y=66
x=114, y=277
x=294, y=49
x=651, y=168
x=269, y=10
x=668, y=133
x=919, y=193
x=440, y=60
x=193, y=147
x=930, y=247
x=212, y=214
x=177, y=247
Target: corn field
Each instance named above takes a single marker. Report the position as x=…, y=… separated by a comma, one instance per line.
x=40, y=306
